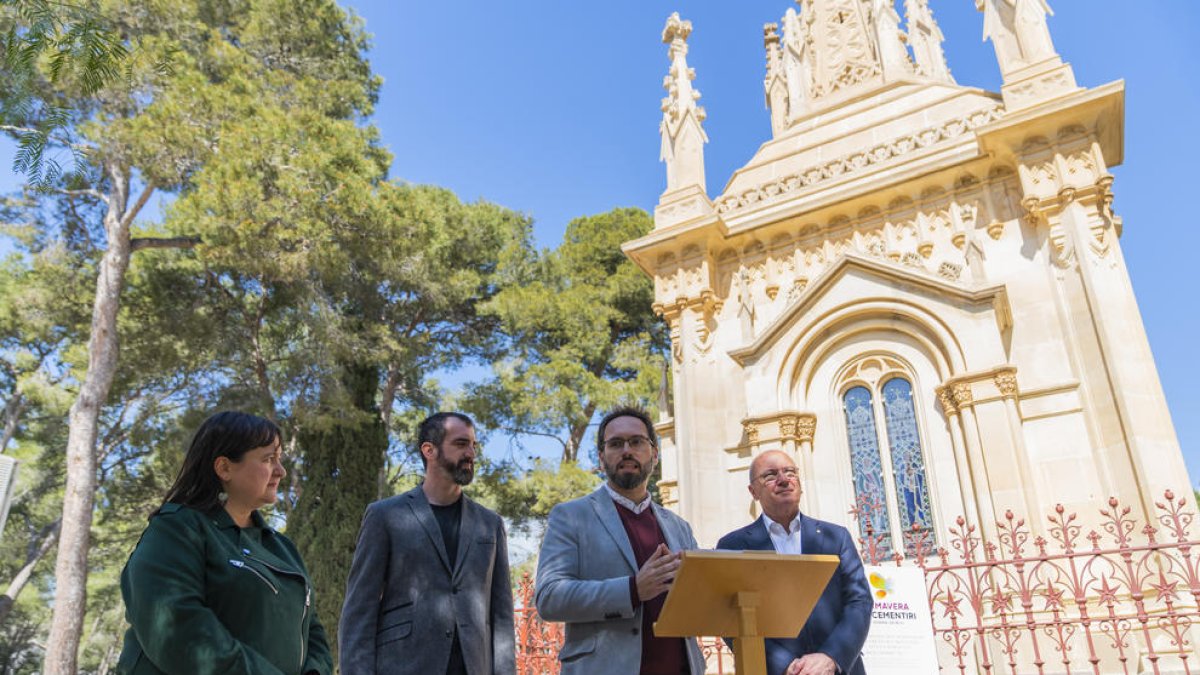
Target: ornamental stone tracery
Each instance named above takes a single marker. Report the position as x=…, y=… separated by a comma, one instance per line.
x=929, y=234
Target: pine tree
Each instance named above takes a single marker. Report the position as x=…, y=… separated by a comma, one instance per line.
x=343, y=454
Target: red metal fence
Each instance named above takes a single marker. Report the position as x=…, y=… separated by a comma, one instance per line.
x=538, y=641
x=1124, y=597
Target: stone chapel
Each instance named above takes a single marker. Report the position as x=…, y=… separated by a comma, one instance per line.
x=915, y=287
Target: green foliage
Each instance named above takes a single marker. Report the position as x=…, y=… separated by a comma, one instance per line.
x=525, y=498
x=58, y=43
x=581, y=335
x=237, y=69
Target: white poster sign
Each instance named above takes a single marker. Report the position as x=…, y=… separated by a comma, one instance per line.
x=901, y=638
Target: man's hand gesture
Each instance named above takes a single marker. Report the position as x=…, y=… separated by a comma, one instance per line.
x=812, y=664
x=656, y=575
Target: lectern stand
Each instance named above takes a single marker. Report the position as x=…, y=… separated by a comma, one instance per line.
x=748, y=595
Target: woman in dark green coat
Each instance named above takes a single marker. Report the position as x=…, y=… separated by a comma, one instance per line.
x=210, y=588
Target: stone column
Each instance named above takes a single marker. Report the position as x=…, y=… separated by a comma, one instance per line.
x=1006, y=382
x=967, y=485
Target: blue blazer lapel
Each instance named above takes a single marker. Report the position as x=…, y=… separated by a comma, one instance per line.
x=606, y=511
x=812, y=539
x=757, y=538
x=424, y=515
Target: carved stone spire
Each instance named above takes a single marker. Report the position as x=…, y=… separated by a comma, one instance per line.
x=797, y=64
x=926, y=39
x=889, y=40
x=832, y=50
x=1031, y=69
x=683, y=136
x=775, y=83
x=839, y=31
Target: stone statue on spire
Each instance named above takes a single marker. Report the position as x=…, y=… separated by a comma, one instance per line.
x=926, y=39
x=1032, y=71
x=1032, y=32
x=683, y=136
x=1018, y=31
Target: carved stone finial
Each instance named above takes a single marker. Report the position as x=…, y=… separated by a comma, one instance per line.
x=775, y=83
x=797, y=66
x=926, y=39
x=683, y=136
x=889, y=40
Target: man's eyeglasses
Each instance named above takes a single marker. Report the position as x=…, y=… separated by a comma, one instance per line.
x=771, y=477
x=635, y=443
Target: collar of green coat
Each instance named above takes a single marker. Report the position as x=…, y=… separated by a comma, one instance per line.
x=224, y=521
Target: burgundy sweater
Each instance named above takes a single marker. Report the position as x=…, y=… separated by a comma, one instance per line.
x=660, y=656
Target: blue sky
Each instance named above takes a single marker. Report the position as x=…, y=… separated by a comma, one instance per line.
x=551, y=107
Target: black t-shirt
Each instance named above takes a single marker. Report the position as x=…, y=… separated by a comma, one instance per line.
x=449, y=517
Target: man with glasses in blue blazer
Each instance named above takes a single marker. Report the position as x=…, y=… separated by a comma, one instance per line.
x=832, y=639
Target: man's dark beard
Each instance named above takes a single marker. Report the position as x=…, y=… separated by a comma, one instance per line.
x=463, y=472
x=628, y=481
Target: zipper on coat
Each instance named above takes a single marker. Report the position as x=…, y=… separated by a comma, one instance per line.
x=307, y=601
x=243, y=566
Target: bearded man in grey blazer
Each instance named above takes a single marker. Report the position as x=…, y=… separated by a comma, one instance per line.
x=609, y=558
x=428, y=591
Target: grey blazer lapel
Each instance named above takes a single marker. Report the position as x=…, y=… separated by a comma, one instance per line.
x=667, y=526
x=606, y=511
x=466, y=533
x=424, y=515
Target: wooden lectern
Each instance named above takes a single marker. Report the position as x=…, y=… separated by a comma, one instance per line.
x=748, y=595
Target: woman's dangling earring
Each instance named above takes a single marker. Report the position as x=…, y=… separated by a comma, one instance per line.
x=222, y=496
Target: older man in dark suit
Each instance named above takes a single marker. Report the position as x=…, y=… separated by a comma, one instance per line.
x=832, y=638
x=429, y=591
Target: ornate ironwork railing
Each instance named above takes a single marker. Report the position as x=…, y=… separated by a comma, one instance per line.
x=538, y=641
x=1107, y=601
x=1124, y=597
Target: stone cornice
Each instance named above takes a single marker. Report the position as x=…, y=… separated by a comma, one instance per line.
x=1101, y=108
x=880, y=154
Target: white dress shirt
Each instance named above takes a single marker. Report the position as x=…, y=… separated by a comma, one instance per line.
x=626, y=501
x=785, y=541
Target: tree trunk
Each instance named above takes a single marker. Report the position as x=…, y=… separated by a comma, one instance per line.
x=341, y=459
x=70, y=569
x=12, y=416
x=571, y=450
x=37, y=551
x=391, y=384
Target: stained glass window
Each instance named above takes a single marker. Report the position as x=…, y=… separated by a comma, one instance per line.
x=908, y=463
x=866, y=464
